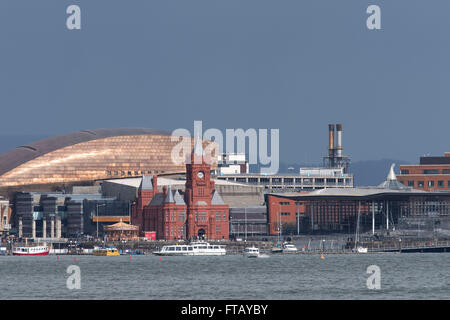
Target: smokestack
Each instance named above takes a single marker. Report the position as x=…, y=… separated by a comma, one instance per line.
x=339, y=140
x=331, y=141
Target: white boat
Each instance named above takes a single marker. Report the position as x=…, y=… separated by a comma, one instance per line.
x=198, y=248
x=251, y=252
x=30, y=251
x=289, y=248
x=361, y=250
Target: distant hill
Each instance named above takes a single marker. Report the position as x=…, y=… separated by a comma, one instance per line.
x=373, y=172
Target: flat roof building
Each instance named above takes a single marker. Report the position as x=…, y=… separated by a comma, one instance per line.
x=381, y=209
x=431, y=174
x=309, y=179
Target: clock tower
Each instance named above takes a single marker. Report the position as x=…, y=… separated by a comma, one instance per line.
x=199, y=186
x=202, y=214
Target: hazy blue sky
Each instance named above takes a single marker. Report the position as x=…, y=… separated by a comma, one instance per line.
x=293, y=65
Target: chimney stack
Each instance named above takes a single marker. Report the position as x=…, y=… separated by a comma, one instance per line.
x=339, y=140
x=331, y=142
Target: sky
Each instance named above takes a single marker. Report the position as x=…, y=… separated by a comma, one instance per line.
x=291, y=65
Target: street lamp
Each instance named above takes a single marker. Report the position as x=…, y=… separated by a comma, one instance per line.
x=99, y=205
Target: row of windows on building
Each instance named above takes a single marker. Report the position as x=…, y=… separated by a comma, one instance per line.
x=172, y=216
x=297, y=214
x=200, y=216
x=179, y=231
x=289, y=180
x=175, y=230
x=429, y=171
x=131, y=173
x=430, y=184
x=288, y=203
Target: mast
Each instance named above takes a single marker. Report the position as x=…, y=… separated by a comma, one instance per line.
x=279, y=223
x=357, y=225
x=245, y=213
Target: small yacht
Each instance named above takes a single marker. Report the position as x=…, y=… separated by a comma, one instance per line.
x=251, y=252
x=289, y=248
x=198, y=248
x=277, y=248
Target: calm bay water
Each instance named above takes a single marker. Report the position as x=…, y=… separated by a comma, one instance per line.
x=403, y=276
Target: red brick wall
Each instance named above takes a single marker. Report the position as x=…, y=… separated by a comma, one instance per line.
x=277, y=205
x=415, y=174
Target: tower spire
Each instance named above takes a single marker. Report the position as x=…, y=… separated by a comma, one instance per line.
x=391, y=175
x=198, y=147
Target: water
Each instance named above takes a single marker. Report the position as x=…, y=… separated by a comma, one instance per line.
x=403, y=276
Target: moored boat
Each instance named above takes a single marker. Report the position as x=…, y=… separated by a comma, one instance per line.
x=277, y=248
x=289, y=248
x=360, y=249
x=198, y=248
x=30, y=251
x=110, y=251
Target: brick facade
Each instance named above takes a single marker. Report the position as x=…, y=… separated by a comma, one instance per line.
x=432, y=174
x=172, y=214
x=284, y=209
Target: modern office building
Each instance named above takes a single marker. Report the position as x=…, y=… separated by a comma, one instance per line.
x=378, y=209
x=53, y=216
x=308, y=179
x=248, y=222
x=431, y=174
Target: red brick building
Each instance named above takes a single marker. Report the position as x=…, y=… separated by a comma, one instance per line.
x=432, y=174
x=199, y=212
x=289, y=211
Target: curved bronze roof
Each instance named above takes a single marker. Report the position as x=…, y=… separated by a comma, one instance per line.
x=12, y=159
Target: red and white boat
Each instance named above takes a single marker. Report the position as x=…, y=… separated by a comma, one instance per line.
x=31, y=251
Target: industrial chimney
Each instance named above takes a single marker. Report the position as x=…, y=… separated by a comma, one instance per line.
x=331, y=143
x=338, y=147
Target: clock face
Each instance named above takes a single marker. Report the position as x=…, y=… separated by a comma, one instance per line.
x=200, y=174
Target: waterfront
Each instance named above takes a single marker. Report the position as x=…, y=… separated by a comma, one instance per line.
x=279, y=277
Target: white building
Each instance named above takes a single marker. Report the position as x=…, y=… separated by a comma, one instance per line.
x=232, y=163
